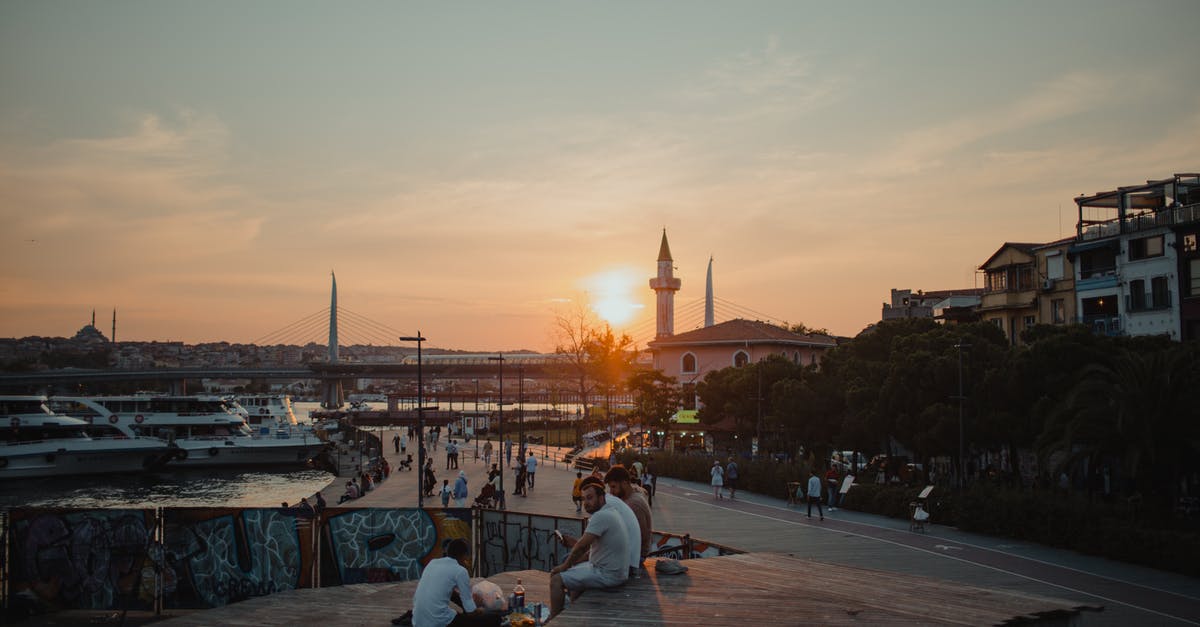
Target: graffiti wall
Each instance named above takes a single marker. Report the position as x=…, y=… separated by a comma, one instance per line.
x=377, y=545
x=110, y=559
x=89, y=559
x=512, y=541
x=213, y=557
x=676, y=546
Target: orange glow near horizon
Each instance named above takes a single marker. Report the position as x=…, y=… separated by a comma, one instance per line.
x=612, y=295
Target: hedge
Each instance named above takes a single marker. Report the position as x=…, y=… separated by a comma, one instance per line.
x=1112, y=531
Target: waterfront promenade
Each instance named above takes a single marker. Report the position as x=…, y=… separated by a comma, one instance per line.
x=1130, y=595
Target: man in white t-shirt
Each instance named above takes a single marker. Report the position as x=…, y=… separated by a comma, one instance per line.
x=441, y=578
x=599, y=559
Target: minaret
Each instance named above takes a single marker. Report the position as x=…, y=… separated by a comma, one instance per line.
x=665, y=285
x=708, y=297
x=114, y=331
x=93, y=318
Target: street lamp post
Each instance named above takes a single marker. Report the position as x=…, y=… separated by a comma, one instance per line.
x=962, y=462
x=420, y=421
x=521, y=411
x=500, y=433
x=475, y=420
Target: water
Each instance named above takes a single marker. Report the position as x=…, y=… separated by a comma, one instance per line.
x=197, y=487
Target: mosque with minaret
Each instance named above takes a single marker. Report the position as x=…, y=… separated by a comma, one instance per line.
x=690, y=355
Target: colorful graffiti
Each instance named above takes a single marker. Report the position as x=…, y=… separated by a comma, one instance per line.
x=216, y=557
x=90, y=559
x=377, y=545
x=109, y=559
x=512, y=541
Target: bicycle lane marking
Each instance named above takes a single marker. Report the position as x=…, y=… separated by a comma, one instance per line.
x=963, y=557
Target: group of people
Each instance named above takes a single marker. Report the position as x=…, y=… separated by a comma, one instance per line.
x=307, y=510
x=724, y=477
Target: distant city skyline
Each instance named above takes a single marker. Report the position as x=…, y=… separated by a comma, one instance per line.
x=472, y=170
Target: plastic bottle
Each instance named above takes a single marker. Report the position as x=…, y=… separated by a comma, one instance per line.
x=518, y=596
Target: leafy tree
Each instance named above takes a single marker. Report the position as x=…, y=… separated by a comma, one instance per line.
x=656, y=395
x=1138, y=407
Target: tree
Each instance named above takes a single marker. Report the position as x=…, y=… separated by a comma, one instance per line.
x=656, y=395
x=1138, y=407
x=595, y=357
x=610, y=358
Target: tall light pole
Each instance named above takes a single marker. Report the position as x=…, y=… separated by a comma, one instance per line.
x=475, y=420
x=420, y=421
x=500, y=434
x=521, y=410
x=962, y=462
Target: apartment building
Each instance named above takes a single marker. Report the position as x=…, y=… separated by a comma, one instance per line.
x=1010, y=293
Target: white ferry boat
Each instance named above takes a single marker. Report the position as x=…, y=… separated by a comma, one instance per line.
x=35, y=442
x=204, y=429
x=267, y=413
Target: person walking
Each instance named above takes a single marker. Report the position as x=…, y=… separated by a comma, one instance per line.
x=731, y=477
x=831, y=487
x=404, y=444
x=396, y=441
x=718, y=479
x=508, y=451
x=814, y=493
x=531, y=468
x=446, y=492
x=460, y=489
x=487, y=453
x=577, y=493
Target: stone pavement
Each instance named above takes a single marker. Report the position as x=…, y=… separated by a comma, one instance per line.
x=1131, y=595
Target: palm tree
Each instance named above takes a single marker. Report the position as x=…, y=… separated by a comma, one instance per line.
x=1140, y=408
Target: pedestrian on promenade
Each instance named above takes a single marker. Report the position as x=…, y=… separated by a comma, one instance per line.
x=446, y=492
x=598, y=559
x=487, y=452
x=404, y=444
x=460, y=489
x=321, y=504
x=831, y=487
x=521, y=477
x=507, y=451
x=531, y=468
x=396, y=442
x=718, y=478
x=814, y=493
x=731, y=477
x=454, y=454
x=576, y=492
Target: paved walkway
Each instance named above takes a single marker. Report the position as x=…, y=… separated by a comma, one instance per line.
x=1131, y=595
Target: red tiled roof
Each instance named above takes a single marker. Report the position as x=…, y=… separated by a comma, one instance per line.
x=739, y=331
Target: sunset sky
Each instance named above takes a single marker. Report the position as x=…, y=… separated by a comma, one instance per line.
x=471, y=168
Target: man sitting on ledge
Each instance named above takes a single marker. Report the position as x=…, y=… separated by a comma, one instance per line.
x=607, y=543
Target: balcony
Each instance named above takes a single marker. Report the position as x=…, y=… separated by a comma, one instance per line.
x=1137, y=303
x=1102, y=325
x=1142, y=222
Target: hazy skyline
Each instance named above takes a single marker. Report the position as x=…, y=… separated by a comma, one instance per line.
x=468, y=169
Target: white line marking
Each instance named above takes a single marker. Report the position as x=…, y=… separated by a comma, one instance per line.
x=964, y=560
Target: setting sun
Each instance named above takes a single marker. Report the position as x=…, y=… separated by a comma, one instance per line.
x=611, y=295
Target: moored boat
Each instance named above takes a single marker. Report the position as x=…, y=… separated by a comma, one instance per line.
x=204, y=429
x=36, y=442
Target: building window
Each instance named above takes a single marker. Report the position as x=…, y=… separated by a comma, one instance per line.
x=1054, y=267
x=1094, y=264
x=999, y=322
x=1194, y=277
x=1058, y=310
x=1030, y=321
x=997, y=280
x=1145, y=247
x=689, y=363
x=740, y=358
x=796, y=357
x=1137, y=295
x=1160, y=294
